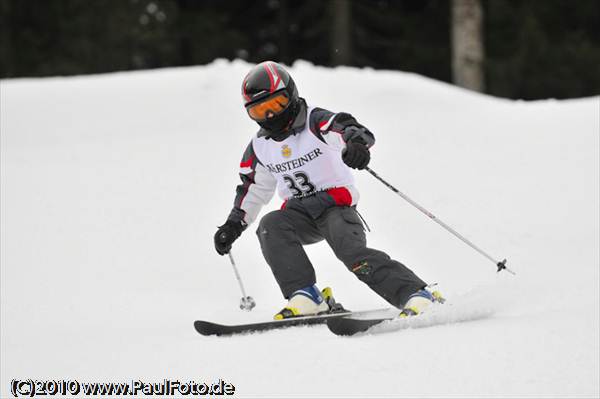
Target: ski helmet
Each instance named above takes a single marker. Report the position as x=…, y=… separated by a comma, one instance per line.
x=270, y=97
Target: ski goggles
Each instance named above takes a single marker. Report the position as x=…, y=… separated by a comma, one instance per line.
x=268, y=107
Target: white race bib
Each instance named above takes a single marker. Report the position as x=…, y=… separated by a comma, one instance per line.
x=302, y=164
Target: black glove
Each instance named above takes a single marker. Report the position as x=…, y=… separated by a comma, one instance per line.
x=226, y=235
x=356, y=155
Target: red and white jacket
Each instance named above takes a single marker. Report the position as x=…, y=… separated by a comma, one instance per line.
x=307, y=161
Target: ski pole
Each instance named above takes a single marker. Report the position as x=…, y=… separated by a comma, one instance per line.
x=500, y=264
x=247, y=302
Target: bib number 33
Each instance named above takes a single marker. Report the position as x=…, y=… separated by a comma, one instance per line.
x=299, y=184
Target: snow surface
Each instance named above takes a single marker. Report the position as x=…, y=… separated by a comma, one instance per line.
x=113, y=185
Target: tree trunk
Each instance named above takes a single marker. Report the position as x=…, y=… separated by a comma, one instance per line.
x=341, y=38
x=467, y=44
x=7, y=69
x=283, y=32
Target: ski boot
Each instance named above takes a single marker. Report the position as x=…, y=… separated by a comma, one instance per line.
x=309, y=301
x=419, y=301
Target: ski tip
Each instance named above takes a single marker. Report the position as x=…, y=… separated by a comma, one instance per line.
x=345, y=326
x=339, y=327
x=206, y=328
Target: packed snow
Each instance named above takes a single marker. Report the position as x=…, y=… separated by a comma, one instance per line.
x=113, y=185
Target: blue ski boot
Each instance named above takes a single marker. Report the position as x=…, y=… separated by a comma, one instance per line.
x=419, y=301
x=308, y=301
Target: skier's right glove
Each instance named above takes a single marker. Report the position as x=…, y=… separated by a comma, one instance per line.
x=226, y=235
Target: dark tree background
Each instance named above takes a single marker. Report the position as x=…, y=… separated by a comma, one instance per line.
x=533, y=48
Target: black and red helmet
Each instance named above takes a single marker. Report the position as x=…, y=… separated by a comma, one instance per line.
x=270, y=96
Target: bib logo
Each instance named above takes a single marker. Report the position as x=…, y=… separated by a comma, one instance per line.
x=286, y=151
x=292, y=164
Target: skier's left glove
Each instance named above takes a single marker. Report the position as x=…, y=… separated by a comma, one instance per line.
x=356, y=155
x=226, y=235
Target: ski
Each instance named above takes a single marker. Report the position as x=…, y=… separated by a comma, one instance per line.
x=209, y=328
x=459, y=311
x=347, y=326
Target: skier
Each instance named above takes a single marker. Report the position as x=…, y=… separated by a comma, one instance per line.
x=306, y=154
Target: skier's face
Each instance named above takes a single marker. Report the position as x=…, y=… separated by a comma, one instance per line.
x=269, y=107
x=279, y=124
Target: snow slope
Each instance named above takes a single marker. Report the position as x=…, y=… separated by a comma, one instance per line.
x=112, y=187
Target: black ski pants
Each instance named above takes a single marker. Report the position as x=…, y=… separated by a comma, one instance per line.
x=283, y=233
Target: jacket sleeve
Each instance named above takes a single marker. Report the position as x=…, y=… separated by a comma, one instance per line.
x=337, y=129
x=255, y=191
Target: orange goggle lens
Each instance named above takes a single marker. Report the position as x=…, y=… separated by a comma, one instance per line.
x=269, y=107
